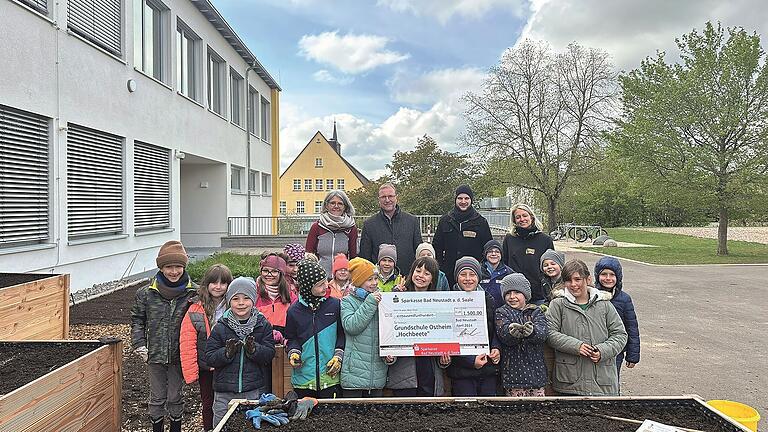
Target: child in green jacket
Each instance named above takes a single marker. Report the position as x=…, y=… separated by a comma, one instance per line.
x=389, y=274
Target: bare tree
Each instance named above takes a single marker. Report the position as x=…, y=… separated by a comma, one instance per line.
x=545, y=113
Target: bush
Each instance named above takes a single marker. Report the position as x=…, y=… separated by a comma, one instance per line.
x=240, y=264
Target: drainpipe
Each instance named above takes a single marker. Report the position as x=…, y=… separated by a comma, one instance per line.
x=248, y=147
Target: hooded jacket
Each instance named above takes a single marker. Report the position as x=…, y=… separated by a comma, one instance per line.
x=624, y=306
x=523, y=255
x=455, y=239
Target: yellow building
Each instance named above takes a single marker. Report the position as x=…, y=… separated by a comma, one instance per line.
x=317, y=169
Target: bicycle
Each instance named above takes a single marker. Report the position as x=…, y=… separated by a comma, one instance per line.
x=579, y=233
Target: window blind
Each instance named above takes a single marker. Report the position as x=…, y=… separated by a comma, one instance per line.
x=151, y=185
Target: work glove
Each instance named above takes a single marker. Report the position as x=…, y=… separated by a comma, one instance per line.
x=231, y=347
x=266, y=397
x=278, y=337
x=273, y=417
x=250, y=345
x=300, y=409
x=544, y=308
x=516, y=330
x=334, y=364
x=527, y=329
x=142, y=352
x=294, y=358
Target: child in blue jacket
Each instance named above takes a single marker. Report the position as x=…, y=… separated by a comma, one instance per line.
x=315, y=335
x=609, y=278
x=493, y=271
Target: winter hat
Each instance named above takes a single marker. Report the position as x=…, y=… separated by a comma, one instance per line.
x=388, y=251
x=340, y=261
x=360, y=270
x=491, y=244
x=294, y=251
x=551, y=254
x=516, y=282
x=241, y=285
x=425, y=246
x=172, y=252
x=611, y=263
x=309, y=274
x=464, y=189
x=464, y=263
x=275, y=262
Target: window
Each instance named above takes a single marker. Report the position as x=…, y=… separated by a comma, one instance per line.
x=283, y=208
x=217, y=94
x=94, y=182
x=318, y=207
x=296, y=185
x=318, y=184
x=102, y=24
x=265, y=128
x=235, y=180
x=253, y=111
x=24, y=177
x=300, y=207
x=266, y=184
x=318, y=162
x=329, y=184
x=149, y=33
x=38, y=5
x=188, y=62
x=236, y=97
x=152, y=187
x=307, y=184
x=340, y=184
x=253, y=179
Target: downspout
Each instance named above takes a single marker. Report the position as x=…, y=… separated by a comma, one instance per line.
x=248, y=147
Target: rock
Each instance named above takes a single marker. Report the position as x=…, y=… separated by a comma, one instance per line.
x=600, y=240
x=610, y=243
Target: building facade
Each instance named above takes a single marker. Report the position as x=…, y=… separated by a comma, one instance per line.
x=318, y=169
x=123, y=126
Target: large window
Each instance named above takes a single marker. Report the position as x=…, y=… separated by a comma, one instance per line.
x=300, y=207
x=188, y=47
x=150, y=32
x=24, y=177
x=102, y=24
x=217, y=78
x=38, y=5
x=253, y=111
x=296, y=185
x=318, y=207
x=265, y=116
x=236, y=179
x=307, y=184
x=266, y=184
x=283, y=208
x=94, y=183
x=329, y=184
x=152, y=187
x=236, y=97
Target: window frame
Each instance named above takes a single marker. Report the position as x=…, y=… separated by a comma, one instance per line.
x=329, y=184
x=265, y=117
x=155, y=62
x=236, y=85
x=254, y=181
x=217, y=83
x=283, y=208
x=300, y=209
x=236, y=172
x=296, y=185
x=307, y=185
x=253, y=107
x=266, y=184
x=318, y=162
x=340, y=184
x=318, y=184
x=188, y=84
x=151, y=205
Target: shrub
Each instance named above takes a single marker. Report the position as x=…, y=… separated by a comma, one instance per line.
x=240, y=264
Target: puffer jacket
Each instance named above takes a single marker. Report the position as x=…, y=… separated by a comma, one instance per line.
x=624, y=306
x=454, y=239
x=362, y=368
x=156, y=321
x=243, y=372
x=522, y=359
x=490, y=280
x=598, y=325
x=195, y=330
x=275, y=311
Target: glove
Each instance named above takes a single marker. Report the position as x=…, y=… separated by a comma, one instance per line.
x=516, y=330
x=273, y=417
x=294, y=359
x=266, y=397
x=250, y=345
x=543, y=308
x=143, y=353
x=300, y=409
x=527, y=329
x=231, y=347
x=278, y=337
x=333, y=366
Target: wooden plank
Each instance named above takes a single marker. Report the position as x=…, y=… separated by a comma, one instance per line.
x=117, y=386
x=64, y=283
x=278, y=385
x=44, y=320
x=90, y=404
x=35, y=310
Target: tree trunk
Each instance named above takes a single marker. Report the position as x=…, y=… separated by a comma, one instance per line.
x=722, y=231
x=551, y=214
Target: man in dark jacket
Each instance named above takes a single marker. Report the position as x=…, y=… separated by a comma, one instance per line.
x=461, y=232
x=392, y=226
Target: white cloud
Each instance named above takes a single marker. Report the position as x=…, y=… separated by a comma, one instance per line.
x=444, y=10
x=324, y=76
x=438, y=85
x=350, y=53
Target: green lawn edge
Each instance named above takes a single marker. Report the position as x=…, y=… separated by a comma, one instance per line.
x=677, y=249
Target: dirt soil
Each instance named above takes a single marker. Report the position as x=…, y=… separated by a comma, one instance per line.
x=22, y=363
x=11, y=279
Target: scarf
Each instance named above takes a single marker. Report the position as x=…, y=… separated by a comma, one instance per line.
x=170, y=290
x=526, y=232
x=241, y=329
x=336, y=223
x=272, y=291
x=463, y=216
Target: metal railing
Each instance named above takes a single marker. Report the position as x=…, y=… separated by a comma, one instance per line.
x=300, y=225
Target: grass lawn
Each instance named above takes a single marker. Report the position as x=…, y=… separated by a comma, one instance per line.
x=681, y=249
x=239, y=264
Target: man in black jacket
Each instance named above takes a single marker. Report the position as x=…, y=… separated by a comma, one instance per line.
x=392, y=226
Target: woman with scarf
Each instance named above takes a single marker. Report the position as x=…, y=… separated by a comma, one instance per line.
x=523, y=248
x=335, y=231
x=461, y=232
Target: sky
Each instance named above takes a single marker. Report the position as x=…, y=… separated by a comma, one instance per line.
x=391, y=71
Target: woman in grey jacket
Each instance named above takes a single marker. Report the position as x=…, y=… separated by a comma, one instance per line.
x=587, y=334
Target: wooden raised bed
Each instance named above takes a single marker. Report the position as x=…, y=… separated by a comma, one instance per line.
x=281, y=373
x=83, y=395
x=34, y=306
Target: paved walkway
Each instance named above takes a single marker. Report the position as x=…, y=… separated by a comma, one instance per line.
x=704, y=330
x=749, y=234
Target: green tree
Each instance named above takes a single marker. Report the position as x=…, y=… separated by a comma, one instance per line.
x=700, y=124
x=366, y=198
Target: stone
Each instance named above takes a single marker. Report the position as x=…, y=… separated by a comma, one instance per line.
x=600, y=240
x=610, y=243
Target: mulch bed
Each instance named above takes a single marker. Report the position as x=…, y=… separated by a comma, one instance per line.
x=22, y=363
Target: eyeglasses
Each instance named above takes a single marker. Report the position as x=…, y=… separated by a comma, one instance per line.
x=270, y=272
x=494, y=251
x=387, y=197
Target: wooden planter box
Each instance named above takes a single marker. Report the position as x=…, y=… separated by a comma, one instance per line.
x=281, y=373
x=83, y=395
x=34, y=306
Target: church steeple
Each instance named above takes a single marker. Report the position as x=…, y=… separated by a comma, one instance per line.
x=334, y=141
x=334, y=132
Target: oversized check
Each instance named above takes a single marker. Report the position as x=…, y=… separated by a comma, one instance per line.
x=432, y=323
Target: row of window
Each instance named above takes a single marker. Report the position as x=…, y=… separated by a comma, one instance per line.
x=300, y=209
x=95, y=181
x=237, y=185
x=152, y=33
x=318, y=184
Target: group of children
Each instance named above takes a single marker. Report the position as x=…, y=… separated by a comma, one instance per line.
x=224, y=332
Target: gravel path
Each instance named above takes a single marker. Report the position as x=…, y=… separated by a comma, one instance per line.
x=749, y=234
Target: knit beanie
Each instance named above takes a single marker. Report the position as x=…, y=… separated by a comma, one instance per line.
x=241, y=285
x=464, y=263
x=172, y=252
x=294, y=251
x=516, y=282
x=340, y=261
x=551, y=254
x=464, y=189
x=360, y=270
x=275, y=262
x=491, y=244
x=425, y=246
x=309, y=274
x=388, y=251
